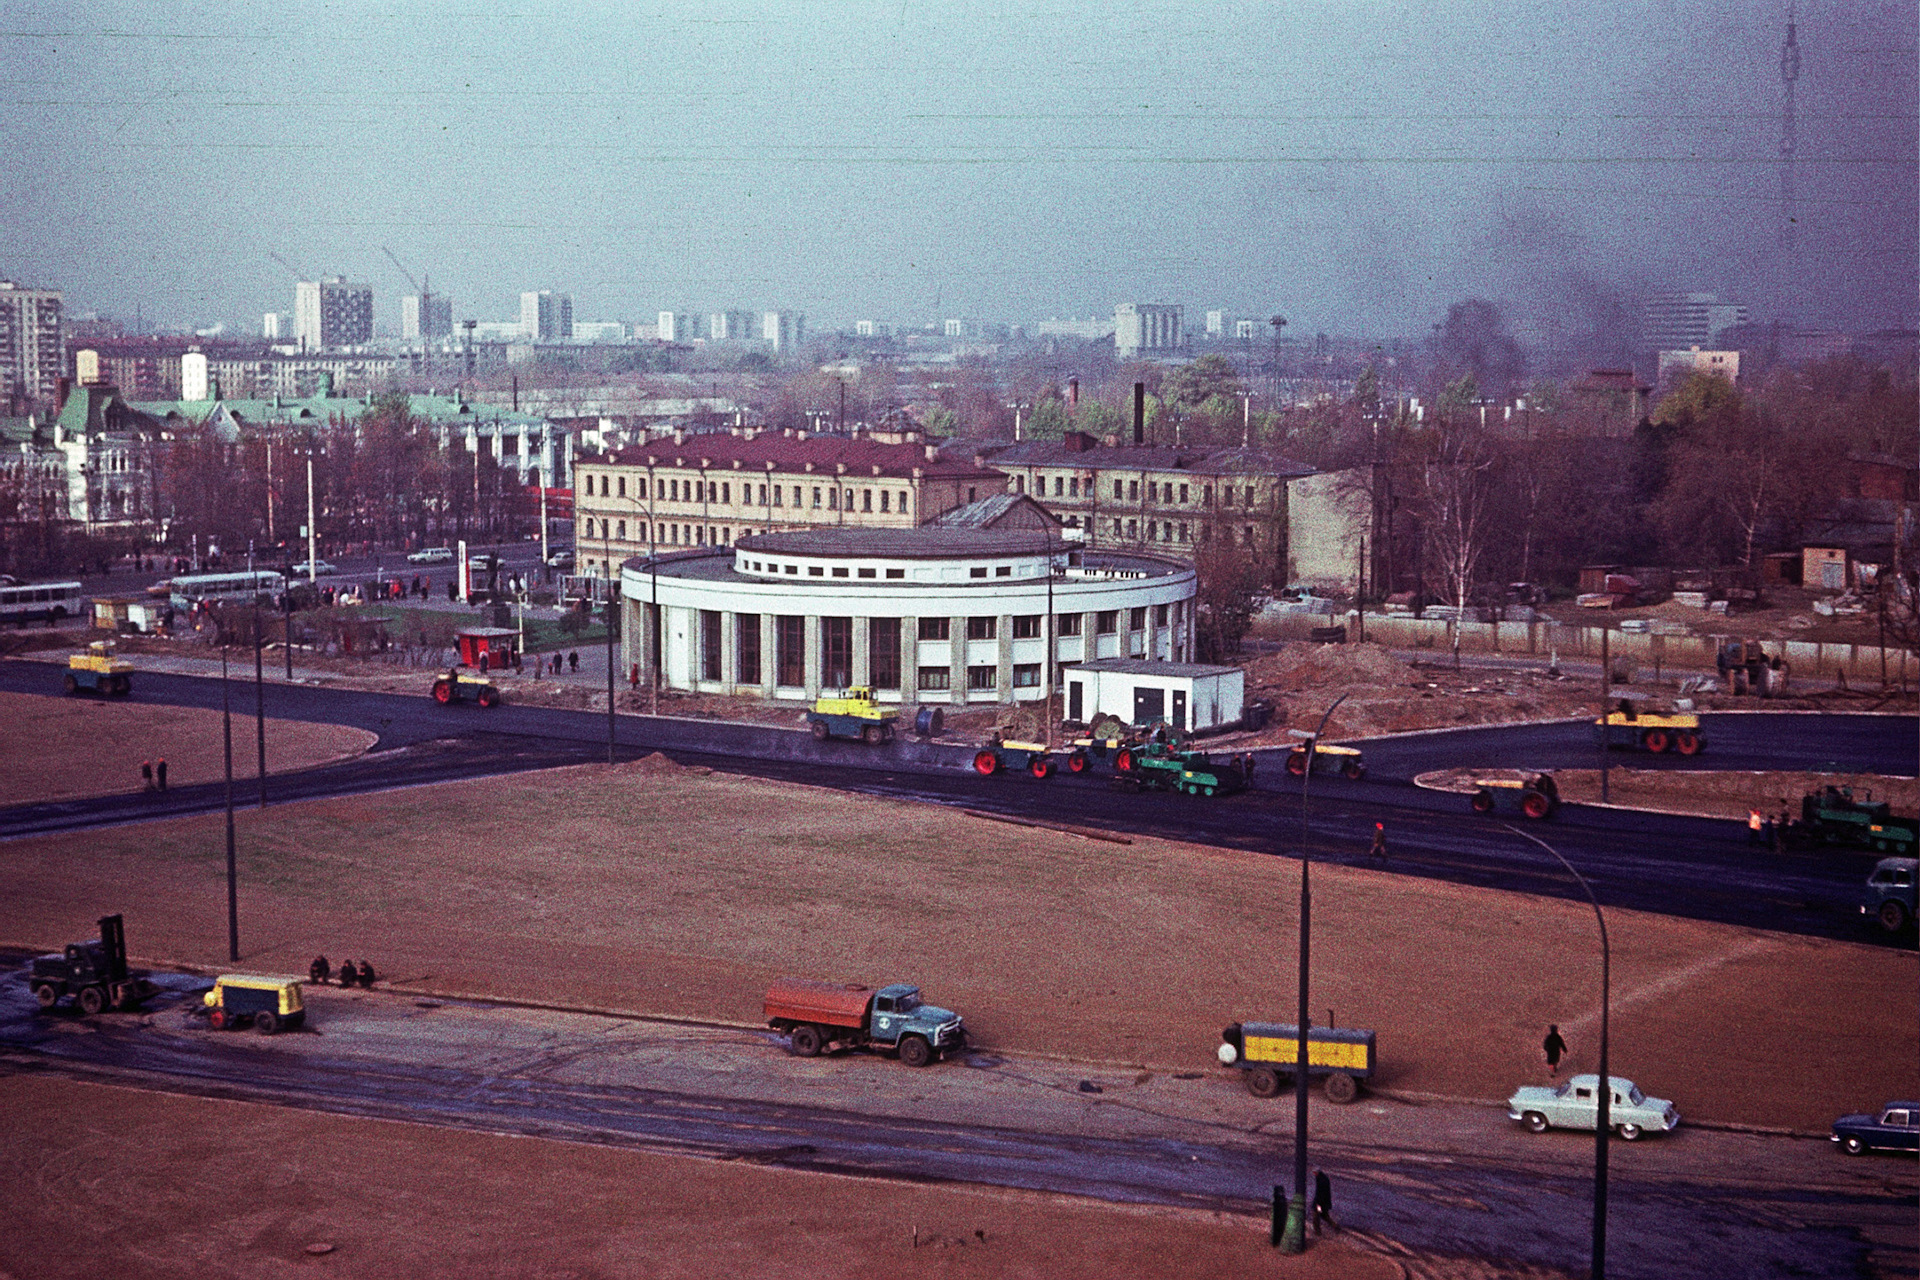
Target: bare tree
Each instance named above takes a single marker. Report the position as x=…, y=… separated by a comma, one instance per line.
x=1453, y=504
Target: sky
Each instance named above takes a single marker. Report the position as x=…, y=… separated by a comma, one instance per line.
x=1355, y=167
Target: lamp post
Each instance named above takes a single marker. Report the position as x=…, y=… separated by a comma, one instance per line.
x=233, y=881
x=1598, y=1268
x=259, y=678
x=1294, y=1239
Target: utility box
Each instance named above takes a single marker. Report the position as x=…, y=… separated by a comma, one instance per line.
x=1190, y=696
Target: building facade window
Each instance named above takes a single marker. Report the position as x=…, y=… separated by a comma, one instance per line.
x=983, y=628
x=1069, y=623
x=747, y=646
x=983, y=677
x=1026, y=675
x=1106, y=622
x=710, y=653
x=1026, y=626
x=935, y=629
x=1137, y=619
x=936, y=678
x=883, y=652
x=836, y=652
x=790, y=649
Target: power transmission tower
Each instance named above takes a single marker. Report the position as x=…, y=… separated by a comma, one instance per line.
x=1789, y=72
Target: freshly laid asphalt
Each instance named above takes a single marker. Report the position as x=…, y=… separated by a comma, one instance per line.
x=1691, y=867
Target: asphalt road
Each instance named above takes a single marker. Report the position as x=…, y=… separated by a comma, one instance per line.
x=1691, y=867
x=1445, y=1179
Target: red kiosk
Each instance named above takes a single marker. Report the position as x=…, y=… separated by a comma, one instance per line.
x=488, y=648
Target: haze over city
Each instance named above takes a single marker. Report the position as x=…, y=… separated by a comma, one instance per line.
x=1356, y=167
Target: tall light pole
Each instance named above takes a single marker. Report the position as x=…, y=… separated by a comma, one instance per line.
x=233, y=875
x=1295, y=1238
x=1598, y=1268
x=259, y=678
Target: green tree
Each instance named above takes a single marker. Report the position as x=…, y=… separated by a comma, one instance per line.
x=1194, y=384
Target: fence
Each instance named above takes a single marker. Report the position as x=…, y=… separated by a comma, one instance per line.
x=1858, y=664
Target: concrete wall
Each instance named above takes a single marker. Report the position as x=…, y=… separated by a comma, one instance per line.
x=1809, y=659
x=1327, y=516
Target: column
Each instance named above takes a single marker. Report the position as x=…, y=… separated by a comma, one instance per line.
x=909, y=661
x=1003, y=665
x=811, y=634
x=862, y=669
x=957, y=660
x=769, y=656
x=729, y=655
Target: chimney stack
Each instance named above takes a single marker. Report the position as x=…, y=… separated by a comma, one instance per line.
x=1073, y=395
x=1139, y=413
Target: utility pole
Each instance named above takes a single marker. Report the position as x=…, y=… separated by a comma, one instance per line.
x=1789, y=140
x=259, y=681
x=313, y=575
x=1606, y=709
x=233, y=881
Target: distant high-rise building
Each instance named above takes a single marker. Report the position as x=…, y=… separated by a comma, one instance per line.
x=430, y=316
x=1679, y=321
x=1141, y=328
x=782, y=330
x=677, y=326
x=332, y=313
x=270, y=325
x=546, y=316
x=730, y=326
x=32, y=344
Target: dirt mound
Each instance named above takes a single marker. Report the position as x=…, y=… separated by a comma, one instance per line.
x=1300, y=665
x=657, y=764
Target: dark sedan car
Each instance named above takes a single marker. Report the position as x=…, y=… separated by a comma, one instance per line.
x=1896, y=1128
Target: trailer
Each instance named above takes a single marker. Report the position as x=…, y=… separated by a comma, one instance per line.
x=1630, y=728
x=94, y=974
x=99, y=671
x=1268, y=1053
x=820, y=1016
x=270, y=1003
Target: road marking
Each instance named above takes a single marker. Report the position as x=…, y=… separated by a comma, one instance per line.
x=1676, y=979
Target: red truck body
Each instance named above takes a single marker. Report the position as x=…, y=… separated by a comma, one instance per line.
x=833, y=1004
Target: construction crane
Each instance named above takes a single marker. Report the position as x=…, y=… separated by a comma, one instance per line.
x=426, y=295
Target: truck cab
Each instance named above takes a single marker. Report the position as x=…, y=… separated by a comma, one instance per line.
x=1891, y=890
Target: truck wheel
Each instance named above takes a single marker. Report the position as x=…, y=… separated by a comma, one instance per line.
x=1535, y=804
x=1689, y=744
x=915, y=1052
x=1354, y=769
x=1482, y=802
x=1040, y=767
x=265, y=1022
x=1296, y=763
x=488, y=697
x=1077, y=762
x=1655, y=741
x=819, y=730
x=1535, y=1122
x=46, y=995
x=986, y=764
x=217, y=1019
x=123, y=685
x=442, y=692
x=870, y=734
x=805, y=1041
x=1263, y=1082
x=1124, y=761
x=1341, y=1088
x=71, y=685
x=92, y=1000
x=1893, y=915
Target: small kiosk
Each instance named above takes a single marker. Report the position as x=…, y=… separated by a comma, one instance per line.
x=488, y=648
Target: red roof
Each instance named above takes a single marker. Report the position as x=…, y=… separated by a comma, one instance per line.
x=860, y=456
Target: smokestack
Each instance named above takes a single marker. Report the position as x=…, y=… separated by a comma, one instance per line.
x=1073, y=395
x=1139, y=413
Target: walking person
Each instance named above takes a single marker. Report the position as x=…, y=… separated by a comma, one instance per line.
x=1323, y=1202
x=1379, y=849
x=1753, y=826
x=1555, y=1048
x=573, y=661
x=146, y=775
x=160, y=772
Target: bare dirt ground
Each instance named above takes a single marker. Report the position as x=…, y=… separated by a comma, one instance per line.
x=110, y=1181
x=64, y=748
x=653, y=890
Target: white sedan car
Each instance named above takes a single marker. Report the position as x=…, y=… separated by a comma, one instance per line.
x=321, y=568
x=431, y=555
x=1576, y=1105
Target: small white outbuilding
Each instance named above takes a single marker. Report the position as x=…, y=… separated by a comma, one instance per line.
x=1190, y=696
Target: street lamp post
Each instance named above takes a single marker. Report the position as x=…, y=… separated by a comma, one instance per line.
x=233, y=880
x=259, y=678
x=1598, y=1267
x=1294, y=1239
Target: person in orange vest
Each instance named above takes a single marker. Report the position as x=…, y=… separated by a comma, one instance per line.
x=1753, y=826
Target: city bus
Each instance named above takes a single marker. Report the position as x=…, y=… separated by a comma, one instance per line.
x=262, y=585
x=36, y=601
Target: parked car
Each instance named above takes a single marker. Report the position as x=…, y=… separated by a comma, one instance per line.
x=320, y=568
x=1575, y=1104
x=561, y=559
x=431, y=555
x=1896, y=1128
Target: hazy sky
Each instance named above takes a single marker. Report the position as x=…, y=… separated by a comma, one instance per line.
x=1353, y=166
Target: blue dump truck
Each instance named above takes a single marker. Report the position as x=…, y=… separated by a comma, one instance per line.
x=819, y=1016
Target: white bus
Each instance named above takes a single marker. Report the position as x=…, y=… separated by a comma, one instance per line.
x=260, y=584
x=34, y=601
